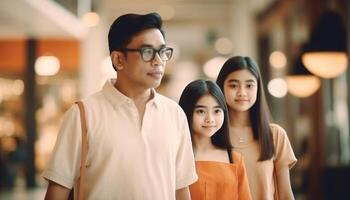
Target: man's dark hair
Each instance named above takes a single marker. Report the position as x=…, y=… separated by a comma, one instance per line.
x=125, y=27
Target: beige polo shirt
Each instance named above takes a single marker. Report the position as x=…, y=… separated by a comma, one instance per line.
x=125, y=160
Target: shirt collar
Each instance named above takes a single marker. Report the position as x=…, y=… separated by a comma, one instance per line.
x=116, y=98
x=155, y=100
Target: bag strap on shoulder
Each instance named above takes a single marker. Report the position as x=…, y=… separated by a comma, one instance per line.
x=84, y=150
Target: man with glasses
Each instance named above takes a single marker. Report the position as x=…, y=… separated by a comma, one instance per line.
x=139, y=141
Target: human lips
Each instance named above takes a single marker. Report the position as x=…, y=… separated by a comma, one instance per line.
x=156, y=74
x=211, y=126
x=241, y=100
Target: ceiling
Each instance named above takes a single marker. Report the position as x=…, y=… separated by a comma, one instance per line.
x=37, y=19
x=47, y=19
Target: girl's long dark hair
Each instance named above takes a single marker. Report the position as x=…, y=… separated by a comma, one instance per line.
x=188, y=100
x=259, y=113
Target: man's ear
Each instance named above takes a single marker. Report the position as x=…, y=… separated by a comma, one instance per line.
x=117, y=59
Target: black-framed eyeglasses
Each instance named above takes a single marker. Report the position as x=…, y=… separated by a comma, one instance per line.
x=148, y=53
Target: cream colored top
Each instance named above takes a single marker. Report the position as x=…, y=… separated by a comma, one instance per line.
x=125, y=160
x=260, y=174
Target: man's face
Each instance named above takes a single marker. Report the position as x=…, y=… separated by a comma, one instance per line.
x=135, y=71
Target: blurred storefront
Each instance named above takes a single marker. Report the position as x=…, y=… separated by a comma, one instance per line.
x=39, y=81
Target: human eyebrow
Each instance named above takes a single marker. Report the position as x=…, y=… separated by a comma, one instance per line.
x=250, y=81
x=151, y=46
x=146, y=45
x=233, y=81
x=200, y=106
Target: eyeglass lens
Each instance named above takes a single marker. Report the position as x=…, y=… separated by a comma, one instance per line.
x=148, y=54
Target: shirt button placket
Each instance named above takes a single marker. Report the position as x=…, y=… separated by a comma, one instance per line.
x=135, y=113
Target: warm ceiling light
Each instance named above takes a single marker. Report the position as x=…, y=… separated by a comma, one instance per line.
x=303, y=85
x=47, y=65
x=212, y=67
x=91, y=19
x=326, y=64
x=277, y=87
x=277, y=59
x=326, y=53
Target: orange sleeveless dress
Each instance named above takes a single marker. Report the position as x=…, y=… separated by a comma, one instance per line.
x=221, y=181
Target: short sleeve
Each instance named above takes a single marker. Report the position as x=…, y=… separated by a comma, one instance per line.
x=185, y=165
x=64, y=163
x=284, y=155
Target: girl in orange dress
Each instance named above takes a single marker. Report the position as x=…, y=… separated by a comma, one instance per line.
x=221, y=172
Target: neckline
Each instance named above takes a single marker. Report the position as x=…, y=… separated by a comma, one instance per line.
x=243, y=145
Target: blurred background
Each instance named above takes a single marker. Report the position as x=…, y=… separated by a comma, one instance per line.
x=53, y=53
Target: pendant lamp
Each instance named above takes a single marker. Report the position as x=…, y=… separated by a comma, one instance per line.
x=300, y=82
x=326, y=53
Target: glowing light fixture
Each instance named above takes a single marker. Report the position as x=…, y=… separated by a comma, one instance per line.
x=326, y=64
x=91, y=19
x=277, y=87
x=212, y=67
x=47, y=65
x=301, y=83
x=277, y=59
x=326, y=53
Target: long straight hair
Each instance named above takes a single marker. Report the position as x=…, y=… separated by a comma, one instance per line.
x=259, y=113
x=188, y=100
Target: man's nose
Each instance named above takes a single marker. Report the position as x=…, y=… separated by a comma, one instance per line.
x=157, y=60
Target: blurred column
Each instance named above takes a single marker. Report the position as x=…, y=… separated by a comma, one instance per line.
x=94, y=47
x=317, y=144
x=242, y=28
x=83, y=7
x=317, y=141
x=30, y=105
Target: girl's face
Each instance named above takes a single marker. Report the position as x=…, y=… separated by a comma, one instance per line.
x=240, y=88
x=208, y=116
